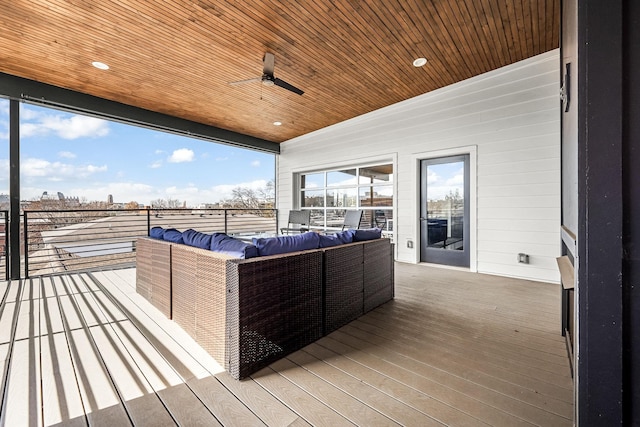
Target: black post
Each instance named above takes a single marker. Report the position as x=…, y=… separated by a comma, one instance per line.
x=148, y=221
x=6, y=244
x=14, y=188
x=25, y=233
x=600, y=320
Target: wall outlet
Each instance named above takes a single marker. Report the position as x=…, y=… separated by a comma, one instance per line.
x=523, y=258
x=410, y=244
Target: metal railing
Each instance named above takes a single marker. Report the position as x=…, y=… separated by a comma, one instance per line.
x=76, y=240
x=4, y=243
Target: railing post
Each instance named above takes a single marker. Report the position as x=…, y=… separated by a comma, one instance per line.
x=14, y=188
x=6, y=245
x=225, y=221
x=148, y=222
x=26, y=247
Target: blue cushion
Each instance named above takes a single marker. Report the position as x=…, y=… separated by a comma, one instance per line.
x=156, y=232
x=172, y=235
x=329, y=240
x=196, y=239
x=222, y=243
x=285, y=244
x=346, y=236
x=367, y=234
x=340, y=238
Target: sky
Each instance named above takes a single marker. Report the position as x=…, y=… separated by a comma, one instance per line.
x=90, y=158
x=445, y=178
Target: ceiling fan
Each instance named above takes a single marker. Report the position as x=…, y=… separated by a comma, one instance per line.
x=267, y=77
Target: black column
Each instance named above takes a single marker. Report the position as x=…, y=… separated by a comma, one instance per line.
x=631, y=197
x=600, y=371
x=14, y=188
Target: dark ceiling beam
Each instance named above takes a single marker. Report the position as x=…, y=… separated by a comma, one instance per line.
x=31, y=91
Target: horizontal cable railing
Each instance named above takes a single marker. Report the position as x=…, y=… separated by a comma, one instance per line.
x=72, y=240
x=4, y=244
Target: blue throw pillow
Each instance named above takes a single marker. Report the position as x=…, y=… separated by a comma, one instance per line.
x=196, y=239
x=225, y=244
x=285, y=244
x=156, y=232
x=367, y=234
x=172, y=235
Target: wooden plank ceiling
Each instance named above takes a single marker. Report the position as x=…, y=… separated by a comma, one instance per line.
x=350, y=57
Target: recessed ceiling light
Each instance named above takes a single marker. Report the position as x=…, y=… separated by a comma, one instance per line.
x=277, y=123
x=419, y=62
x=100, y=65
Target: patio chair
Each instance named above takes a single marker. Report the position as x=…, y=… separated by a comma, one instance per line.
x=352, y=219
x=297, y=222
x=380, y=218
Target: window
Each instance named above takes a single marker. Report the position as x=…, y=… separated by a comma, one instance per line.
x=329, y=194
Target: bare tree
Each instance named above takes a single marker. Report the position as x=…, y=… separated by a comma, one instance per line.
x=253, y=199
x=166, y=203
x=249, y=198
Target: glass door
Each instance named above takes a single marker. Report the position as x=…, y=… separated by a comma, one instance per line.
x=444, y=210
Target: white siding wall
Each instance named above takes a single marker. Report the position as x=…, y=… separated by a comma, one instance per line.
x=509, y=116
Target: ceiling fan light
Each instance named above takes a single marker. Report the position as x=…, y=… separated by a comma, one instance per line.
x=276, y=123
x=419, y=62
x=100, y=65
x=268, y=82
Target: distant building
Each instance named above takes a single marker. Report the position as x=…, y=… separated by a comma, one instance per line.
x=59, y=197
x=110, y=199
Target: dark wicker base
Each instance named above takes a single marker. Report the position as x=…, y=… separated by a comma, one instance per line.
x=250, y=313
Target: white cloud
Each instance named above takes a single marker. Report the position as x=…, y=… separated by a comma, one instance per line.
x=122, y=192
x=134, y=191
x=57, y=170
x=73, y=127
x=255, y=164
x=181, y=155
x=156, y=165
x=457, y=180
x=195, y=196
x=432, y=177
x=66, y=155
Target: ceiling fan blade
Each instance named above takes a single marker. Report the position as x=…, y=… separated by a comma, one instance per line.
x=240, y=82
x=268, y=63
x=285, y=85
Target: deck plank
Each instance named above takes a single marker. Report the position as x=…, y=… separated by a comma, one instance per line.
x=226, y=408
x=186, y=408
x=338, y=400
x=359, y=388
x=271, y=411
x=23, y=401
x=309, y=408
x=447, y=404
x=453, y=348
x=61, y=400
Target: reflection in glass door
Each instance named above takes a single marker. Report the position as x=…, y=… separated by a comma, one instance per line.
x=444, y=210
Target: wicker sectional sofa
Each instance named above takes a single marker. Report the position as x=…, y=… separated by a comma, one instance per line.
x=247, y=313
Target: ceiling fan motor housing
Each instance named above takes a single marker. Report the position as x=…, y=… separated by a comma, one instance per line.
x=268, y=80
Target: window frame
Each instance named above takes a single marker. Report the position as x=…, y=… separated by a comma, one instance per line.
x=353, y=188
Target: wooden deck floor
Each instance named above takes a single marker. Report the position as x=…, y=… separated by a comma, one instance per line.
x=453, y=348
